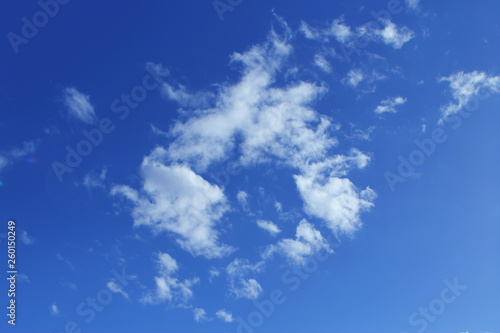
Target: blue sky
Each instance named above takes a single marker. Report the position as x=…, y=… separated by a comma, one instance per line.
x=252, y=166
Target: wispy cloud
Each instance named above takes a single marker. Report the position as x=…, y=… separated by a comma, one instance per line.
x=199, y=315
x=240, y=286
x=168, y=287
x=464, y=87
x=8, y=157
x=116, y=288
x=26, y=239
x=389, y=104
x=381, y=31
x=79, y=105
x=269, y=226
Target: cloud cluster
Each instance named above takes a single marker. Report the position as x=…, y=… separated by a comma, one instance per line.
x=240, y=285
x=307, y=242
x=168, y=287
x=379, y=31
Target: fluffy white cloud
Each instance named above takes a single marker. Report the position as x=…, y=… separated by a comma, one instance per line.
x=79, y=105
x=175, y=199
x=261, y=119
x=307, y=242
x=390, y=34
x=224, y=315
x=335, y=200
x=389, y=104
x=466, y=86
x=169, y=288
x=199, y=315
x=240, y=286
x=269, y=226
x=354, y=77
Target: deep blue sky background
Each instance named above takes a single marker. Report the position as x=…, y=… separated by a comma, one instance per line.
x=441, y=224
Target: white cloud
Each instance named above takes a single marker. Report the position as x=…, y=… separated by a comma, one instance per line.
x=175, y=199
x=262, y=120
x=169, y=288
x=213, y=273
x=180, y=95
x=391, y=34
x=278, y=206
x=307, y=242
x=239, y=285
x=94, y=180
x=242, y=197
x=412, y=4
x=54, y=310
x=224, y=315
x=335, y=200
x=199, y=315
x=116, y=288
x=382, y=31
x=321, y=62
x=466, y=86
x=341, y=31
x=269, y=227
x=354, y=77
x=389, y=104
x=79, y=105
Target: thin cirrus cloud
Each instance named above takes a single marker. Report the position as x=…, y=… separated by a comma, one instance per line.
x=79, y=106
x=269, y=226
x=389, y=105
